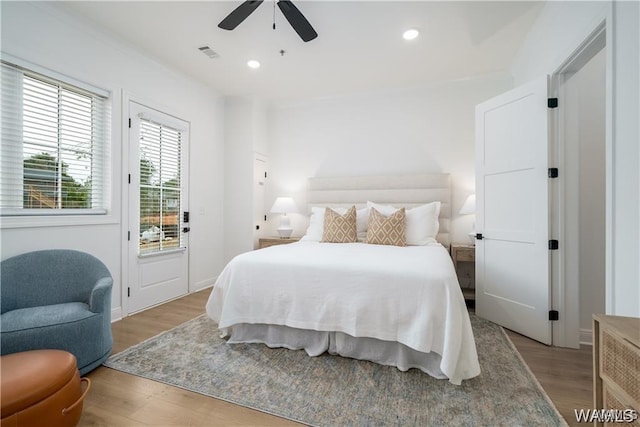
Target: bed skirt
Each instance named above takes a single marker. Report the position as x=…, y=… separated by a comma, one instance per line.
x=315, y=343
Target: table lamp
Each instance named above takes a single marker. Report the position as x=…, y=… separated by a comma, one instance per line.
x=284, y=205
x=468, y=208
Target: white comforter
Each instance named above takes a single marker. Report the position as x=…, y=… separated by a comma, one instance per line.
x=407, y=294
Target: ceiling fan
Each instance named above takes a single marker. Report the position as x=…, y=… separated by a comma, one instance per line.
x=293, y=15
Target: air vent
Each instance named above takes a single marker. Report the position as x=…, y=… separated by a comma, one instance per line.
x=208, y=51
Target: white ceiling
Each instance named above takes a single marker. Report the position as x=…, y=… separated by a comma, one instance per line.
x=359, y=46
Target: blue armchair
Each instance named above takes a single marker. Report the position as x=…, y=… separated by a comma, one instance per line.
x=56, y=299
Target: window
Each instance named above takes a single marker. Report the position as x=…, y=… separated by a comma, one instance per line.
x=160, y=153
x=53, y=150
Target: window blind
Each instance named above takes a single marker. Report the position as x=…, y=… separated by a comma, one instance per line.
x=160, y=187
x=53, y=154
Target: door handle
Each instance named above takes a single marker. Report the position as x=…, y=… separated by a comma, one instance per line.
x=479, y=236
x=186, y=229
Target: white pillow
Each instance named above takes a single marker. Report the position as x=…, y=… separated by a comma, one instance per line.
x=316, y=223
x=362, y=222
x=422, y=222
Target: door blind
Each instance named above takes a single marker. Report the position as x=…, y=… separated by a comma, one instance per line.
x=160, y=187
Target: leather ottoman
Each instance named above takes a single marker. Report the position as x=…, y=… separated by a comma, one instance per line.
x=41, y=388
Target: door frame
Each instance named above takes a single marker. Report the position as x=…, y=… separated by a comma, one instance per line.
x=566, y=293
x=126, y=99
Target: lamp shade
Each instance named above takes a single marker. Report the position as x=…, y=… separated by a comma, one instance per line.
x=469, y=206
x=284, y=205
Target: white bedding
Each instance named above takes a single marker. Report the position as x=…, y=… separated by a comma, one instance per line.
x=409, y=295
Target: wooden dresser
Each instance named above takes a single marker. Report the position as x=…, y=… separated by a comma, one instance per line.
x=616, y=364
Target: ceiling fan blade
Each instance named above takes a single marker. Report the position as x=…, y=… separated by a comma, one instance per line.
x=297, y=20
x=239, y=14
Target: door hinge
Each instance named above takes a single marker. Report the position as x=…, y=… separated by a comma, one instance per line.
x=185, y=216
x=479, y=236
x=257, y=227
x=554, y=315
x=265, y=217
x=128, y=292
x=129, y=123
x=552, y=102
x=128, y=235
x=265, y=174
x=553, y=245
x=553, y=172
x=129, y=178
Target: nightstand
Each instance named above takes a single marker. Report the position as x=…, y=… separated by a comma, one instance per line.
x=265, y=242
x=467, y=254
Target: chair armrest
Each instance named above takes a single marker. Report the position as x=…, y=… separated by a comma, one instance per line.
x=101, y=295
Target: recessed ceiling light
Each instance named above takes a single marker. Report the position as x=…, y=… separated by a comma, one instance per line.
x=253, y=64
x=410, y=34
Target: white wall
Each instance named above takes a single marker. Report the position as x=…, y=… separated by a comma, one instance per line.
x=560, y=28
x=245, y=135
x=42, y=34
x=418, y=130
x=584, y=118
x=238, y=168
x=591, y=99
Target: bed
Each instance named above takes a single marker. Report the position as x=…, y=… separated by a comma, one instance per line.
x=392, y=305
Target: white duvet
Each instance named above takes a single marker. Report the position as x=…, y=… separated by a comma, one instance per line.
x=406, y=294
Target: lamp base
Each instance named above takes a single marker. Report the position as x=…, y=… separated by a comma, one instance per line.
x=284, y=229
x=285, y=233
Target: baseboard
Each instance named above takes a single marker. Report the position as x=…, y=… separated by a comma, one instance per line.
x=586, y=337
x=116, y=314
x=203, y=284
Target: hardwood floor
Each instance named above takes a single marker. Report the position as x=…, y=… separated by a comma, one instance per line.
x=121, y=400
x=565, y=374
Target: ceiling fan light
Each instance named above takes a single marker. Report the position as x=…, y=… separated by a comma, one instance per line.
x=410, y=34
x=253, y=64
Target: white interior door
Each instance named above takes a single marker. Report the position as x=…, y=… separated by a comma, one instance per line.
x=158, y=197
x=259, y=207
x=512, y=210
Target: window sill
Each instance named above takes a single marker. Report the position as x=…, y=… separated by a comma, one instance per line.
x=59, y=220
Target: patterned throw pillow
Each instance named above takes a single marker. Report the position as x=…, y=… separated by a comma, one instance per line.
x=387, y=231
x=339, y=228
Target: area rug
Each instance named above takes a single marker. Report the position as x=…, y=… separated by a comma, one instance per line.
x=336, y=391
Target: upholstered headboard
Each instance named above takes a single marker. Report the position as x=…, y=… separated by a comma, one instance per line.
x=397, y=190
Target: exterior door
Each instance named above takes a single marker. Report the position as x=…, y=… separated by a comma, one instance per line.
x=158, y=200
x=512, y=211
